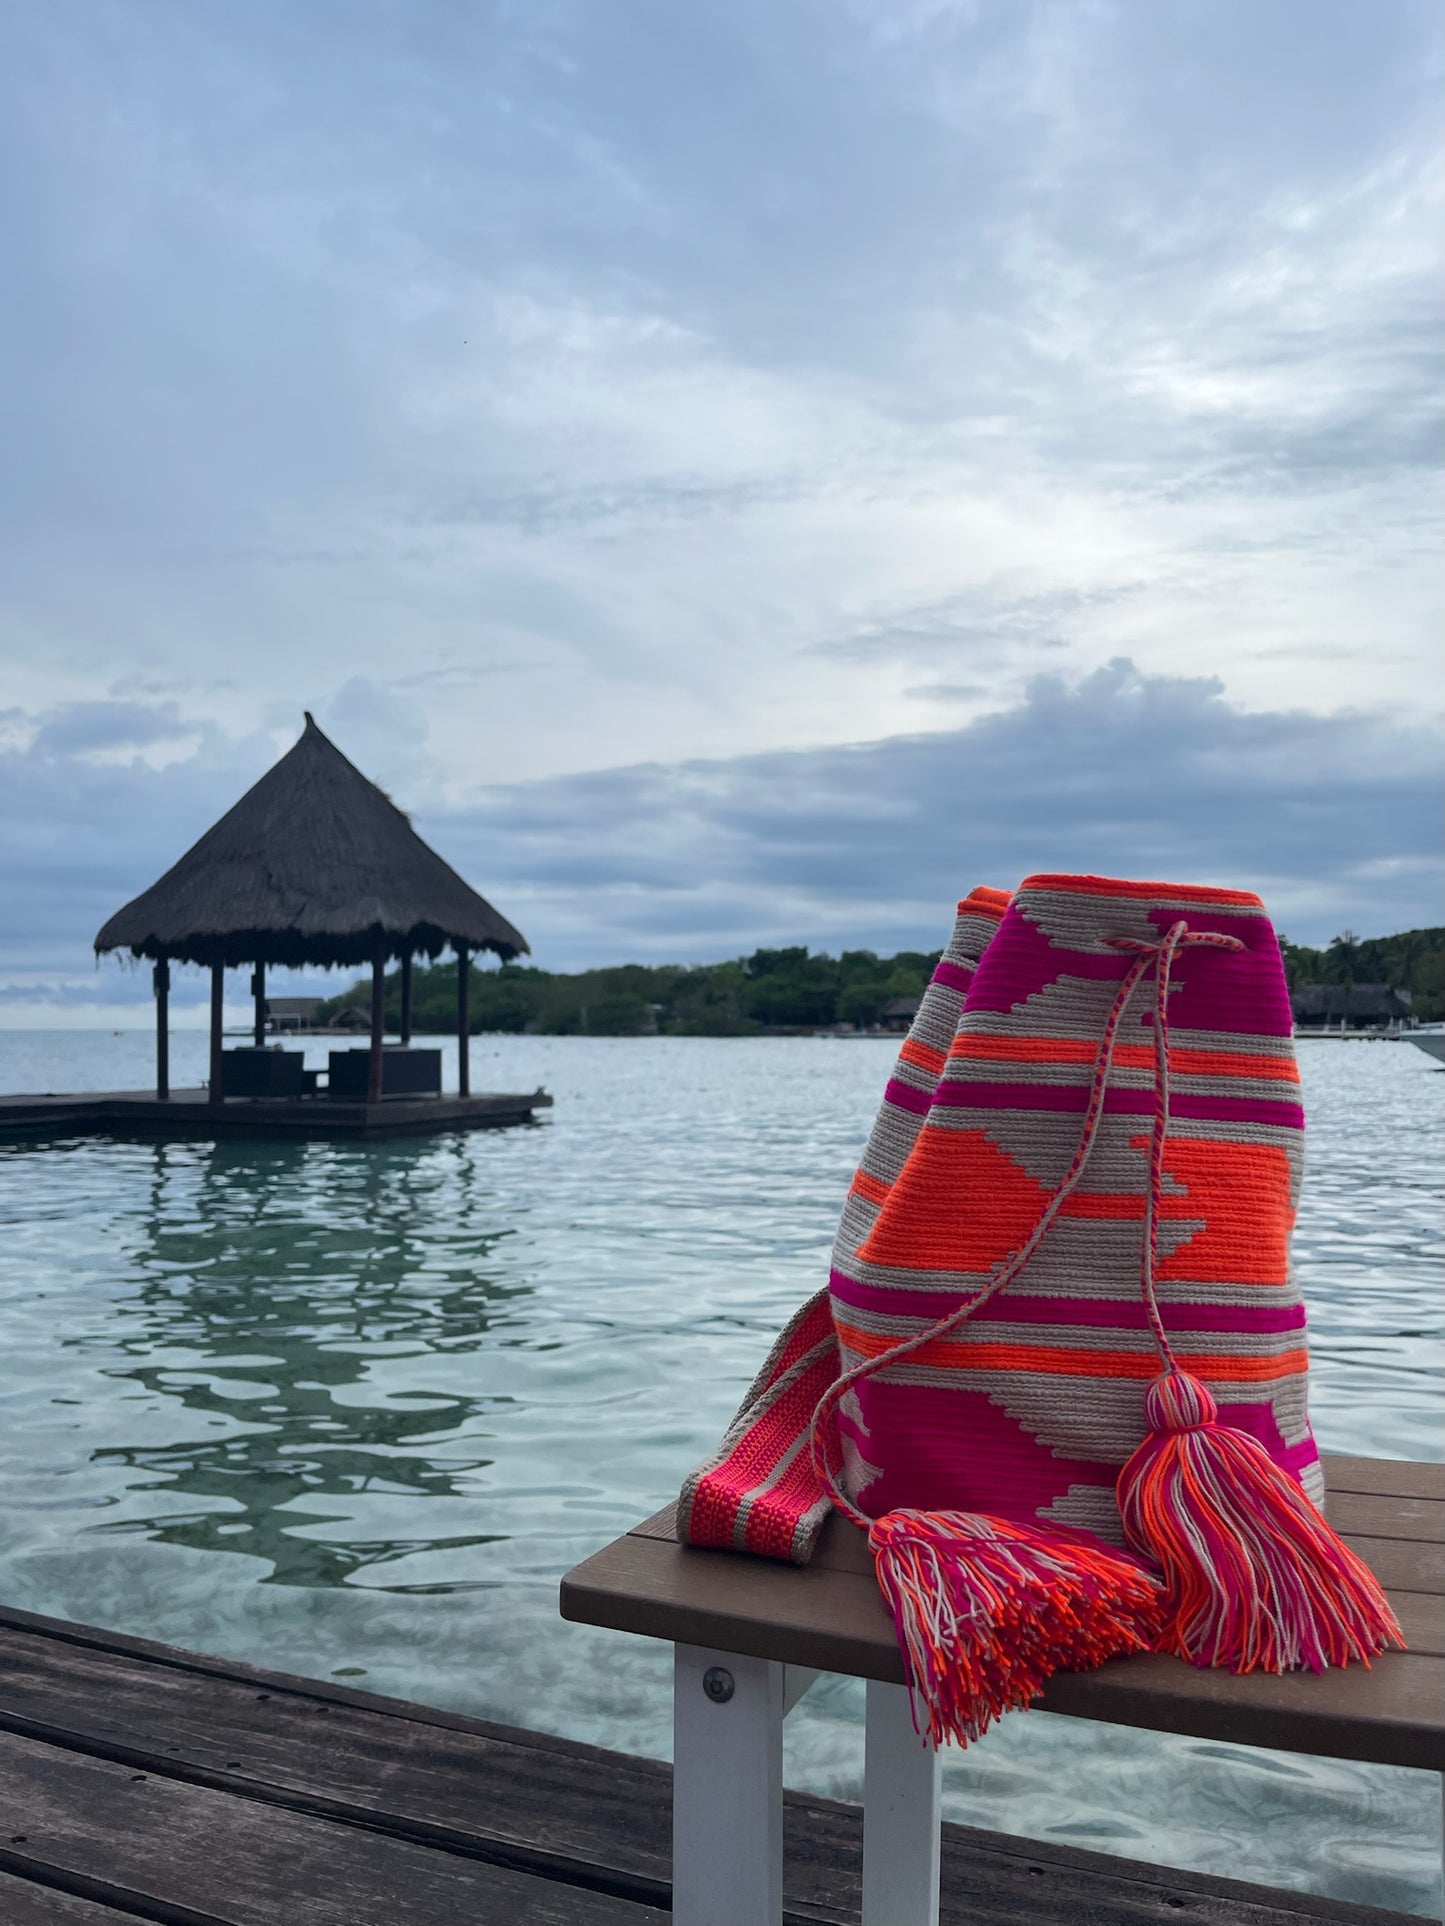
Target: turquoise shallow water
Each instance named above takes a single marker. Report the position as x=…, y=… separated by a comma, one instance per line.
x=351, y=1411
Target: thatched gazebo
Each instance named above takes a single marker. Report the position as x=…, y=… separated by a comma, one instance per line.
x=313, y=865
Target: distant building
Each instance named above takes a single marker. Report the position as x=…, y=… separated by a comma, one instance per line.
x=1361, y=1006
x=899, y=1014
x=292, y=1012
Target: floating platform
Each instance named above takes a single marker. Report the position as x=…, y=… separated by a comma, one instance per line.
x=140, y=1782
x=189, y=1113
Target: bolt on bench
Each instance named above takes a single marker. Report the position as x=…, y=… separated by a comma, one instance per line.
x=750, y=1636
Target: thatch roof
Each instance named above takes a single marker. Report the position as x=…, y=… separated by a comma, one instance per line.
x=1361, y=1003
x=313, y=865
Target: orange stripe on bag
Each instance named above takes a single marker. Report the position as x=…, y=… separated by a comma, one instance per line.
x=924, y=1055
x=870, y=1187
x=979, y=1047
x=971, y=1354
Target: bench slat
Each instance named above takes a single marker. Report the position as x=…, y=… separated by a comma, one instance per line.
x=1398, y=1564
x=1389, y=1713
x=1358, y=1515
x=1412, y=1564
x=1364, y=1477
x=803, y=1615
x=1384, y=1477
x=1422, y=1620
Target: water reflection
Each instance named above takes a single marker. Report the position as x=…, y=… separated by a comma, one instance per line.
x=282, y=1293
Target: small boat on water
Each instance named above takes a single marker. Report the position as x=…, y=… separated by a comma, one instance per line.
x=1432, y=1042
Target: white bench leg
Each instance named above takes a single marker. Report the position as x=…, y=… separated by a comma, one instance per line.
x=900, y=1815
x=798, y=1682
x=727, y=1789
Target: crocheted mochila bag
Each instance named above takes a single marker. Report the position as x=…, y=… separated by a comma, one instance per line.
x=761, y=1492
x=1072, y=1414
x=1071, y=1406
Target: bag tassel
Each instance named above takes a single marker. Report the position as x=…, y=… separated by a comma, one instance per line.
x=987, y=1610
x=1254, y=1576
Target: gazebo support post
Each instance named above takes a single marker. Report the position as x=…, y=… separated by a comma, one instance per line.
x=258, y=991
x=378, y=1024
x=218, y=999
x=406, y=998
x=161, y=977
x=464, y=1021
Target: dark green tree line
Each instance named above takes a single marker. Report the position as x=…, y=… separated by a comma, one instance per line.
x=801, y=989
x=786, y=989
x=1413, y=960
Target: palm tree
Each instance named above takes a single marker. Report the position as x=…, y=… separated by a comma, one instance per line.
x=1409, y=948
x=1344, y=953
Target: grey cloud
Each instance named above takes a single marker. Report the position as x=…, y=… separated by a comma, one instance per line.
x=83, y=835
x=950, y=691
x=987, y=625
x=114, y=726
x=1333, y=818
x=338, y=207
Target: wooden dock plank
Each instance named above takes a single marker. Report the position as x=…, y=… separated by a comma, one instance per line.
x=523, y=1802
x=189, y=1113
x=466, y=1788
x=173, y=1658
x=24, y=1904
x=987, y=1880
x=176, y=1851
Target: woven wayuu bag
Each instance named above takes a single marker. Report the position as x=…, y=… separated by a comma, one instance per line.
x=1068, y=1401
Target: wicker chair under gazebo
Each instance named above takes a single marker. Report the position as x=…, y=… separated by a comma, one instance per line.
x=314, y=865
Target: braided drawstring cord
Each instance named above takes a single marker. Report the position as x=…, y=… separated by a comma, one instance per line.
x=1180, y=936
x=1159, y=956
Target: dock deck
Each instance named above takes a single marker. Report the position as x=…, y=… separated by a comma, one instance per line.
x=139, y=1782
x=189, y=1113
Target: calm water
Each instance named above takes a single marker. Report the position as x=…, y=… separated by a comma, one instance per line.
x=351, y=1411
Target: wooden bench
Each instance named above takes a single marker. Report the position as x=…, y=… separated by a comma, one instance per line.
x=750, y=1637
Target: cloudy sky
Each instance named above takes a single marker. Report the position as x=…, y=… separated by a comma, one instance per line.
x=738, y=472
